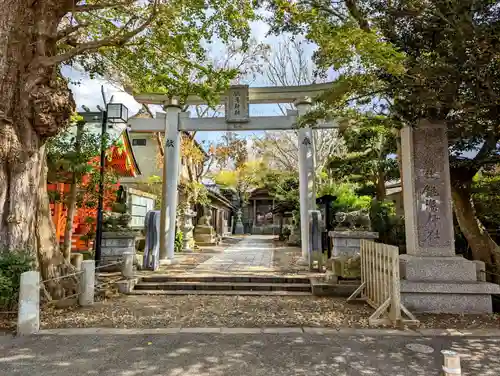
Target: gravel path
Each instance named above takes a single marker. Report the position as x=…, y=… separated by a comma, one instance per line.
x=238, y=311
x=254, y=253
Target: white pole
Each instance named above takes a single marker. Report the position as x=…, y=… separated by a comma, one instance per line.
x=171, y=181
x=87, y=281
x=451, y=366
x=303, y=195
x=305, y=145
x=28, y=317
x=128, y=265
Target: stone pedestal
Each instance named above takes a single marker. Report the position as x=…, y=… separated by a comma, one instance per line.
x=347, y=243
x=204, y=233
x=434, y=279
x=346, y=249
x=187, y=230
x=239, y=229
x=294, y=238
x=114, y=245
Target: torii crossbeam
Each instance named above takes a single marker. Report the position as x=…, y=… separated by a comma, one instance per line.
x=237, y=100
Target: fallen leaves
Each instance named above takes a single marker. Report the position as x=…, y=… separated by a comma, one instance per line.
x=238, y=311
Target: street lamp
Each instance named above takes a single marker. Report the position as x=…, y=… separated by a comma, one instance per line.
x=115, y=113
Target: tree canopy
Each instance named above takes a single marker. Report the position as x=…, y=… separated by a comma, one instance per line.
x=410, y=60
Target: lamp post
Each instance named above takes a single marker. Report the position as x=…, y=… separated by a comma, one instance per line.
x=114, y=113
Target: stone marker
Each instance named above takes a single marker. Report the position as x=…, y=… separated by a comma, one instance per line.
x=28, y=319
x=434, y=278
x=204, y=233
x=239, y=229
x=87, y=283
x=128, y=265
x=151, y=258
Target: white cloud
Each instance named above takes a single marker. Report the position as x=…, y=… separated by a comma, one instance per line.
x=87, y=91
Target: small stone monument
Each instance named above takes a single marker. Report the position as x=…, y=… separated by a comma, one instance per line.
x=204, y=233
x=238, y=227
x=187, y=230
x=117, y=238
x=151, y=258
x=294, y=238
x=346, y=238
x=351, y=228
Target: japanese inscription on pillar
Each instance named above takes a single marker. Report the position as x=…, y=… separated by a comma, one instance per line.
x=237, y=110
x=432, y=187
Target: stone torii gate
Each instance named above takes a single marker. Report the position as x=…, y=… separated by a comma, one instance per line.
x=237, y=100
x=434, y=278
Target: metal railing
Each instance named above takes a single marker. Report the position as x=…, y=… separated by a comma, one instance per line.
x=380, y=283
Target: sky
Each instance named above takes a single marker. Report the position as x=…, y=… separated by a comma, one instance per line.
x=88, y=91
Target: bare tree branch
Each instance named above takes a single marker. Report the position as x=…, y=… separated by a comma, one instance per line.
x=99, y=6
x=117, y=40
x=357, y=15
x=70, y=30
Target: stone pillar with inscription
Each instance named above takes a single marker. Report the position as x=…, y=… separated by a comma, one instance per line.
x=236, y=106
x=171, y=170
x=307, y=194
x=434, y=279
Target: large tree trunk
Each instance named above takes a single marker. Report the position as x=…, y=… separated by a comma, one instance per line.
x=35, y=103
x=380, y=191
x=483, y=247
x=399, y=156
x=71, y=201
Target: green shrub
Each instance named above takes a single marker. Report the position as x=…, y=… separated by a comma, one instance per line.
x=285, y=234
x=178, y=245
x=12, y=265
x=385, y=221
x=347, y=199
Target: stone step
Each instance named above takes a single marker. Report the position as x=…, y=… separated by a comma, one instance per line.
x=221, y=292
x=225, y=278
x=217, y=286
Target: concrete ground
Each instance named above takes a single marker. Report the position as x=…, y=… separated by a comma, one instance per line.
x=252, y=254
x=208, y=354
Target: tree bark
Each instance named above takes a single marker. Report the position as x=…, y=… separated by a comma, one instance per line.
x=71, y=201
x=482, y=246
x=35, y=103
x=380, y=192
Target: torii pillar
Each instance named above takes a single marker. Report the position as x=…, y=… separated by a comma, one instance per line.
x=307, y=189
x=171, y=171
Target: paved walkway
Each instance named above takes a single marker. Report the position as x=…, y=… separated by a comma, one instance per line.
x=198, y=354
x=253, y=254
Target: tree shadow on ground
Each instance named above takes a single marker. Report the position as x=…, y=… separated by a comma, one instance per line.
x=240, y=354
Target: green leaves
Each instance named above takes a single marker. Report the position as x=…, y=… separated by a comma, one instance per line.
x=371, y=147
x=155, y=46
x=346, y=47
x=70, y=152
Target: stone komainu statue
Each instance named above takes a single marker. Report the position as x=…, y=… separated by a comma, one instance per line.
x=355, y=220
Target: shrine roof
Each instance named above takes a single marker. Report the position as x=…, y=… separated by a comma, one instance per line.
x=260, y=193
x=123, y=158
x=122, y=155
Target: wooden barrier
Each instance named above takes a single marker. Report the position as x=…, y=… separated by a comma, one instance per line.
x=380, y=286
